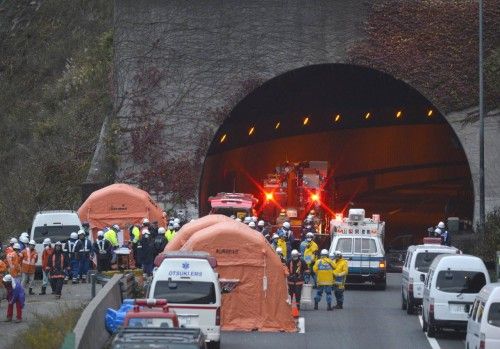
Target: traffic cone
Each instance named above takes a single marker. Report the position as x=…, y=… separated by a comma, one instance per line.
x=295, y=310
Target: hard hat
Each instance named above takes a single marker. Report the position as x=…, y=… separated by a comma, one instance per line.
x=275, y=236
x=32, y=242
x=247, y=219
x=47, y=241
x=279, y=250
x=310, y=217
x=254, y=219
x=24, y=239
x=238, y=220
x=145, y=221
x=261, y=223
x=324, y=252
x=310, y=235
x=73, y=235
x=100, y=233
x=312, y=212
x=82, y=232
x=233, y=216
x=338, y=253
x=24, y=234
x=116, y=227
x=441, y=225
x=145, y=232
x=16, y=246
x=58, y=243
x=161, y=230
x=177, y=220
x=176, y=225
x=251, y=224
x=13, y=240
x=437, y=231
x=286, y=225
x=295, y=253
x=7, y=278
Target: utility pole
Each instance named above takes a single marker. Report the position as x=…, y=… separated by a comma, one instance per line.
x=482, y=214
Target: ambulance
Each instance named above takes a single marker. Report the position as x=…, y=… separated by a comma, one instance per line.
x=361, y=241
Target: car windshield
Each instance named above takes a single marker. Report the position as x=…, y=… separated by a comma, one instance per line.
x=344, y=245
x=424, y=260
x=185, y=292
x=494, y=314
x=54, y=232
x=460, y=281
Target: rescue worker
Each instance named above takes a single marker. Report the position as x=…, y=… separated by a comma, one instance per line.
x=135, y=235
x=287, y=232
x=10, y=248
x=112, y=237
x=437, y=233
x=444, y=234
x=58, y=264
x=282, y=218
x=177, y=227
x=282, y=243
x=23, y=242
x=146, y=253
x=315, y=220
x=279, y=252
x=47, y=252
x=29, y=257
x=170, y=233
x=247, y=220
x=15, y=296
x=160, y=241
x=341, y=268
x=86, y=228
x=252, y=225
x=72, y=257
x=83, y=250
x=324, y=268
x=310, y=254
x=103, y=252
x=297, y=269
x=274, y=241
x=14, y=263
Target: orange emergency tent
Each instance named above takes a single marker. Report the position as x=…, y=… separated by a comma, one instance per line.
x=259, y=300
x=120, y=204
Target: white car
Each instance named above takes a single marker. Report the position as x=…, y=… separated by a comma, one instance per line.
x=192, y=289
x=483, y=327
x=451, y=286
x=418, y=260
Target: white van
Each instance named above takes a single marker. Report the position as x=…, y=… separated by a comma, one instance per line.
x=56, y=225
x=418, y=260
x=192, y=289
x=451, y=286
x=483, y=327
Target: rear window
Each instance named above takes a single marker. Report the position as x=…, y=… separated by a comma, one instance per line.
x=494, y=314
x=459, y=281
x=151, y=322
x=423, y=260
x=344, y=245
x=185, y=292
x=54, y=232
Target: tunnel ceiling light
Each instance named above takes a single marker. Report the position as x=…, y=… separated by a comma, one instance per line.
x=223, y=138
x=399, y=114
x=430, y=112
x=337, y=118
x=277, y=126
x=368, y=115
x=306, y=121
x=251, y=131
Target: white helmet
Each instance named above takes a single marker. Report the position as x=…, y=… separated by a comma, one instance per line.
x=32, y=242
x=177, y=220
x=441, y=225
x=16, y=246
x=47, y=241
x=275, y=236
x=176, y=225
x=145, y=232
x=251, y=224
x=295, y=253
x=24, y=239
x=310, y=235
x=261, y=223
x=7, y=278
x=145, y=221
x=81, y=232
x=100, y=233
x=324, y=252
x=279, y=250
x=254, y=219
x=310, y=217
x=238, y=220
x=437, y=231
x=116, y=227
x=286, y=225
x=338, y=253
x=73, y=235
x=161, y=230
x=24, y=234
x=247, y=220
x=13, y=240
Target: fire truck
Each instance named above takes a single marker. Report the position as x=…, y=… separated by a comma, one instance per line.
x=237, y=204
x=298, y=188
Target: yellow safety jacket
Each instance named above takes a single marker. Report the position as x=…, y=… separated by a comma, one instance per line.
x=310, y=252
x=282, y=243
x=170, y=234
x=340, y=271
x=136, y=234
x=110, y=235
x=324, y=271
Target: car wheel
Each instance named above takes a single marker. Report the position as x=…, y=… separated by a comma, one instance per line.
x=403, y=302
x=424, y=324
x=409, y=307
x=431, y=330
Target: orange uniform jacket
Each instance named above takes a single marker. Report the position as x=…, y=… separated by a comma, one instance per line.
x=47, y=252
x=28, y=261
x=3, y=267
x=14, y=264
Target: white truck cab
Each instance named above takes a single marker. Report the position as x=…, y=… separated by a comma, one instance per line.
x=192, y=289
x=361, y=242
x=417, y=263
x=483, y=327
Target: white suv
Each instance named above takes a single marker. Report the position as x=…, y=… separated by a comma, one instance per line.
x=417, y=263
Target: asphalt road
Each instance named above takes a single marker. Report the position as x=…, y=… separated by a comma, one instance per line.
x=370, y=319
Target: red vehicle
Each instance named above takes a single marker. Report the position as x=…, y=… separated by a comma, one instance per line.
x=238, y=204
x=151, y=313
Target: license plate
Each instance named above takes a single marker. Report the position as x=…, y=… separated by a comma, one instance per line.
x=188, y=320
x=457, y=308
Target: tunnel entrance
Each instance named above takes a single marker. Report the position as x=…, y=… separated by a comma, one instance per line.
x=389, y=150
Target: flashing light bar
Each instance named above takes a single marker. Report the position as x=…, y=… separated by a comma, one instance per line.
x=269, y=196
x=339, y=217
x=315, y=197
x=151, y=302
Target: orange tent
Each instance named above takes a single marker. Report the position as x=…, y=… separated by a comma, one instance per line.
x=259, y=300
x=120, y=204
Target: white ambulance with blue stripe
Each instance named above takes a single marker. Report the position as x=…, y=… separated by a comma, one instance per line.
x=361, y=241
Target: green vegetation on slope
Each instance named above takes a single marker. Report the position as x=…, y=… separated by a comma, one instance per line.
x=55, y=90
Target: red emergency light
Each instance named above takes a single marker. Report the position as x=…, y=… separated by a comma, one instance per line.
x=269, y=196
x=151, y=302
x=338, y=217
x=315, y=197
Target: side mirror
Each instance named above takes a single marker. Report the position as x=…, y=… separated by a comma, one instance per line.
x=422, y=277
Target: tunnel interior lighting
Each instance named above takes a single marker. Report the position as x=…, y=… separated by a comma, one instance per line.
x=277, y=126
x=337, y=118
x=223, y=138
x=306, y=120
x=399, y=114
x=251, y=131
x=430, y=112
x=368, y=115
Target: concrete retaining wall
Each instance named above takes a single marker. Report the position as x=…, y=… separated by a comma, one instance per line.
x=89, y=331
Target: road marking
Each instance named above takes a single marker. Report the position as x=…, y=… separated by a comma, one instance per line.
x=302, y=325
x=432, y=341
